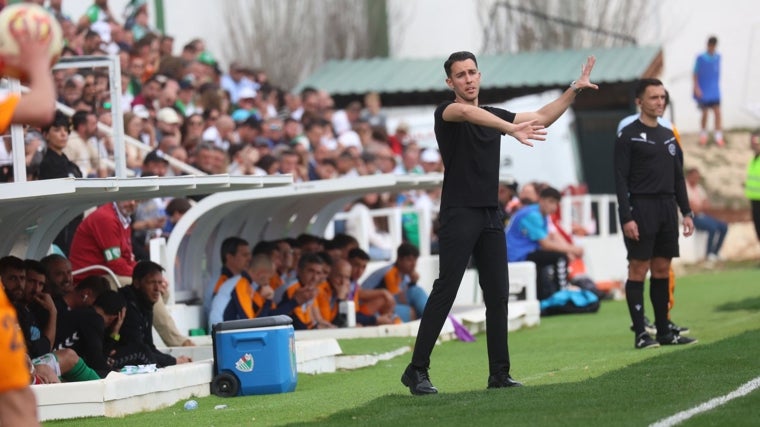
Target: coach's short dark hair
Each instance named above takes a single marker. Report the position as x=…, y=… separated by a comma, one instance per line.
x=456, y=57
x=643, y=84
x=550, y=193
x=712, y=41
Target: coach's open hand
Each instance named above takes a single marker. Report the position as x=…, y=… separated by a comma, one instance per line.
x=583, y=81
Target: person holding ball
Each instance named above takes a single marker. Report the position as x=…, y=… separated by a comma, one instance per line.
x=18, y=406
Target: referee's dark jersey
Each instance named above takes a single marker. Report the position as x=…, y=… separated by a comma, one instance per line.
x=647, y=164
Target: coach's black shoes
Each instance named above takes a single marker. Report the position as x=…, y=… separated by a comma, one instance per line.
x=502, y=380
x=675, y=339
x=644, y=340
x=418, y=381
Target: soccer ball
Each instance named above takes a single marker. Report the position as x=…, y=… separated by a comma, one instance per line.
x=28, y=18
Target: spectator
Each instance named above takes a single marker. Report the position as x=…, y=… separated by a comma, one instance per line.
x=80, y=148
x=372, y=112
x=55, y=164
x=141, y=297
x=528, y=238
x=400, y=279
x=410, y=161
x=168, y=122
x=175, y=209
x=700, y=204
x=707, y=89
x=430, y=161
x=360, y=221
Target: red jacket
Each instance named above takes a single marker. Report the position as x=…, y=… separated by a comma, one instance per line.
x=103, y=239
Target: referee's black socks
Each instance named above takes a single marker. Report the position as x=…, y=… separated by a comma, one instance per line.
x=634, y=296
x=658, y=294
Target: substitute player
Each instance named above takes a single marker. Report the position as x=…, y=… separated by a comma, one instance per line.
x=650, y=188
x=17, y=403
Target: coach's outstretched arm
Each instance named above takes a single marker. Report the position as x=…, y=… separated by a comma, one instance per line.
x=523, y=132
x=550, y=112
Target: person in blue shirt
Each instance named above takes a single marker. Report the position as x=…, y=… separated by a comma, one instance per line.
x=707, y=89
x=529, y=239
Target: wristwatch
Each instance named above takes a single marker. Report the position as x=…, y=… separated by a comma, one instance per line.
x=575, y=89
x=690, y=215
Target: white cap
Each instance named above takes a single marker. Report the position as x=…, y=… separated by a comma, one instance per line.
x=350, y=138
x=430, y=155
x=141, y=111
x=168, y=115
x=247, y=93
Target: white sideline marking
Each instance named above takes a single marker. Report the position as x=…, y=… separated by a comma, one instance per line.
x=682, y=416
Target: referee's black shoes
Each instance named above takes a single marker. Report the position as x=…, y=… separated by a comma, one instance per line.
x=675, y=339
x=502, y=380
x=418, y=381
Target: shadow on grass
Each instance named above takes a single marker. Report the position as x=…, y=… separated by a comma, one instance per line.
x=748, y=304
x=639, y=394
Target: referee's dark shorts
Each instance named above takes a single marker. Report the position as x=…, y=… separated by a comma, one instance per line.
x=657, y=219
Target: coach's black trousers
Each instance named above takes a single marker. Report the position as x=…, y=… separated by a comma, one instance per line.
x=466, y=231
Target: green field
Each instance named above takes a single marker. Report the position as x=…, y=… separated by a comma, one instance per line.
x=579, y=370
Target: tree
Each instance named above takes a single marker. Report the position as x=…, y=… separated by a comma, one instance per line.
x=510, y=26
x=291, y=38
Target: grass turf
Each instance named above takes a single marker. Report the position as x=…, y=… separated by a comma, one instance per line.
x=578, y=370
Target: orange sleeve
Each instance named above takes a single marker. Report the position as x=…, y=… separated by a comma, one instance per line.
x=223, y=278
x=678, y=137
x=7, y=108
x=244, y=295
x=392, y=280
x=324, y=296
x=275, y=281
x=14, y=371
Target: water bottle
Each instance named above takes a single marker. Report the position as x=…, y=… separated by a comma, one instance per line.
x=347, y=310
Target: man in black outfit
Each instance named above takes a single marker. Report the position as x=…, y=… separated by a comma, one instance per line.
x=137, y=330
x=469, y=138
x=650, y=188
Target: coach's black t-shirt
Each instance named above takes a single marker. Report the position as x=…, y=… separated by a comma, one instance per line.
x=471, y=159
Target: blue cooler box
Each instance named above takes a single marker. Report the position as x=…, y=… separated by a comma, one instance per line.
x=254, y=356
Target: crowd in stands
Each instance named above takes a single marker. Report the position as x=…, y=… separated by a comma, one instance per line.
x=179, y=102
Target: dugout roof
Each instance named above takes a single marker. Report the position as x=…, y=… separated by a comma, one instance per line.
x=538, y=70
